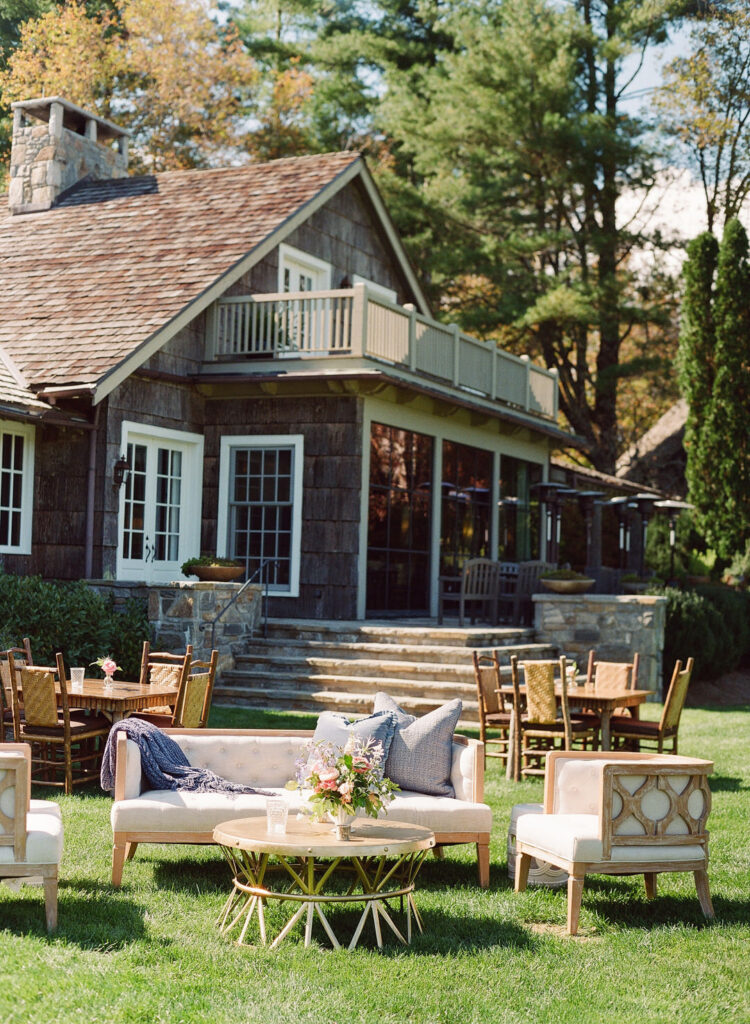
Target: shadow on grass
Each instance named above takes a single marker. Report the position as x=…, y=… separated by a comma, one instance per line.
x=725, y=784
x=88, y=915
x=192, y=876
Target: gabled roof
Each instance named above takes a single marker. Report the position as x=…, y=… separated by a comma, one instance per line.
x=15, y=396
x=94, y=286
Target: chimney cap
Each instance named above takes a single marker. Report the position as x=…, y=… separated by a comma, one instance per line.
x=74, y=117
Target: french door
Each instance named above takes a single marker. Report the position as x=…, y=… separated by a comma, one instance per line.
x=160, y=503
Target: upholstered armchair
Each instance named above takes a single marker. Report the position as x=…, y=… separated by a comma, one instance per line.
x=31, y=832
x=617, y=813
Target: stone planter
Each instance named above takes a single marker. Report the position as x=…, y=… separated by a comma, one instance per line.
x=217, y=573
x=634, y=587
x=567, y=586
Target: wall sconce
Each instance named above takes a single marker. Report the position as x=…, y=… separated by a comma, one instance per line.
x=120, y=471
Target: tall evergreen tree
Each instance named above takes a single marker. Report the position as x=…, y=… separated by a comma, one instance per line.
x=696, y=361
x=727, y=442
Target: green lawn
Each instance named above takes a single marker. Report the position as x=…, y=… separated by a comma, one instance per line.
x=150, y=952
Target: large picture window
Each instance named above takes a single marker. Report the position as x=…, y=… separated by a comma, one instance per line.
x=519, y=510
x=465, y=519
x=260, y=507
x=16, y=487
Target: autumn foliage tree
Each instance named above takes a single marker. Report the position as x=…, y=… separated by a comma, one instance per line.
x=161, y=68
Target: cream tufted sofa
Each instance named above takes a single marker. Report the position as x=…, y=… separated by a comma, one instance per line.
x=265, y=759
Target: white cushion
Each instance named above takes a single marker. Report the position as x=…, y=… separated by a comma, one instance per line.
x=440, y=814
x=575, y=837
x=44, y=807
x=44, y=841
x=259, y=761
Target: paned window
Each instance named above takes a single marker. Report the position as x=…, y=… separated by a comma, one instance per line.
x=16, y=484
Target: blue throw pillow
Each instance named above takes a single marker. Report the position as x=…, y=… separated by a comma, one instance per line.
x=336, y=728
x=421, y=752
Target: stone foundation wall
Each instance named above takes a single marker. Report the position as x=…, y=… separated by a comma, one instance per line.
x=615, y=627
x=182, y=613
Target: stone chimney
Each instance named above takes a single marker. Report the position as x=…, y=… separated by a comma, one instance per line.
x=55, y=145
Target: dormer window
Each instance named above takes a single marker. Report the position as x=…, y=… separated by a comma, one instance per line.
x=300, y=272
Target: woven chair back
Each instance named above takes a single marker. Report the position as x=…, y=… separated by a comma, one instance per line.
x=39, y=698
x=19, y=657
x=195, y=697
x=165, y=675
x=673, y=705
x=612, y=677
x=541, y=706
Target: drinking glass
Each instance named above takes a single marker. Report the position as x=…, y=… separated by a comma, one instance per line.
x=76, y=679
x=277, y=810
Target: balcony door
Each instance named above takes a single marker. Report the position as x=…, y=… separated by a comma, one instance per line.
x=160, y=503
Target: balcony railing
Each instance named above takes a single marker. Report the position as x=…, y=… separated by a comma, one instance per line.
x=354, y=322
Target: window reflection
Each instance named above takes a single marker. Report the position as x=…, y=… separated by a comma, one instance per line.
x=398, y=543
x=519, y=510
x=465, y=520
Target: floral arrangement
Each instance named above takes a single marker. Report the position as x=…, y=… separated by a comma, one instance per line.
x=344, y=779
x=107, y=664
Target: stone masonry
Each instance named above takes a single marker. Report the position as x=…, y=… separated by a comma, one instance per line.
x=183, y=613
x=615, y=627
x=50, y=156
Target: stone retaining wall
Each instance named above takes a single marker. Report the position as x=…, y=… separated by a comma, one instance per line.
x=182, y=613
x=614, y=626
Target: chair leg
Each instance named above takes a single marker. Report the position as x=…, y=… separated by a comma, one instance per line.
x=118, y=861
x=704, y=895
x=575, y=891
x=523, y=863
x=483, y=864
x=50, y=902
x=649, y=878
x=130, y=849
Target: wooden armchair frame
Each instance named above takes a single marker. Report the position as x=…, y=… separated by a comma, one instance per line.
x=636, y=732
x=493, y=712
x=479, y=583
x=15, y=772
x=620, y=804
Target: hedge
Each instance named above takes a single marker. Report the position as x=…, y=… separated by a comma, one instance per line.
x=710, y=624
x=72, y=618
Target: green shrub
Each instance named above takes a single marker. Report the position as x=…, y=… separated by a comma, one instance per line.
x=710, y=625
x=71, y=618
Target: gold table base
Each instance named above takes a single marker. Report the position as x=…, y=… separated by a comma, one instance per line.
x=373, y=884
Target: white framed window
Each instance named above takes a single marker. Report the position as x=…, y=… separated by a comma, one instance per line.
x=160, y=502
x=378, y=290
x=16, y=486
x=300, y=272
x=260, y=506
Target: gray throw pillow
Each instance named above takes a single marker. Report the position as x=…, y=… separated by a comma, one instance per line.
x=422, y=748
x=336, y=728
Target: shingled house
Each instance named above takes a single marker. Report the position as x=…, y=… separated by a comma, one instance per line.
x=242, y=361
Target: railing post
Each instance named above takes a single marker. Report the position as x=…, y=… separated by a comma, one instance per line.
x=527, y=398
x=412, y=311
x=495, y=361
x=456, y=353
x=212, y=321
x=555, y=391
x=359, y=320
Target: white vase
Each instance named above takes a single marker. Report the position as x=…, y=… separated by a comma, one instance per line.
x=342, y=823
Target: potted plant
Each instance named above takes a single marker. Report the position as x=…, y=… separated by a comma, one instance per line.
x=632, y=583
x=566, y=581
x=210, y=568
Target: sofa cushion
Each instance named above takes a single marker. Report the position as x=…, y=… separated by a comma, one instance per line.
x=336, y=728
x=422, y=748
x=440, y=815
x=44, y=840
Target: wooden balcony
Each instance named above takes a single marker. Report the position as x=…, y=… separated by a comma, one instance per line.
x=356, y=325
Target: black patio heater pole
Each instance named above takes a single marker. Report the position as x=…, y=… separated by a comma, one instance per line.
x=672, y=508
x=586, y=501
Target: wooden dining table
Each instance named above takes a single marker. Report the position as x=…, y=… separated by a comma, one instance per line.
x=588, y=698
x=119, y=698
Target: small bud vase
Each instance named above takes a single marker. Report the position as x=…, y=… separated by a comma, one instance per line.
x=342, y=824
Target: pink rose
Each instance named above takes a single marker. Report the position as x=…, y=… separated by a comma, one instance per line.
x=109, y=666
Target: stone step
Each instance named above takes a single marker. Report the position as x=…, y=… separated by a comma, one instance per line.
x=292, y=699
x=423, y=632
x=417, y=687
x=432, y=671
x=279, y=651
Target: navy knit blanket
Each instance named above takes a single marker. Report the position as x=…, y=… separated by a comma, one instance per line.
x=163, y=762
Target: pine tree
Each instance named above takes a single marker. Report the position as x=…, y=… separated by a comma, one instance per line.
x=696, y=360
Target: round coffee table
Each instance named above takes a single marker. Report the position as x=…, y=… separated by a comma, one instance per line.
x=382, y=861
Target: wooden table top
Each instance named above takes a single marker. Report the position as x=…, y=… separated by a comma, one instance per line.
x=590, y=697
x=119, y=697
x=370, y=838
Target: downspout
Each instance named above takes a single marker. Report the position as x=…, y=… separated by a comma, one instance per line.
x=90, y=493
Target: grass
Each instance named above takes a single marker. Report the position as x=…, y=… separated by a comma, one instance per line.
x=150, y=951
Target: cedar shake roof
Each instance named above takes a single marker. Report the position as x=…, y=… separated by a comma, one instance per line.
x=14, y=395
x=88, y=281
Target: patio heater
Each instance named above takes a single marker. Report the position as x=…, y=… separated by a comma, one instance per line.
x=644, y=503
x=550, y=494
x=672, y=508
x=622, y=509
x=586, y=502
